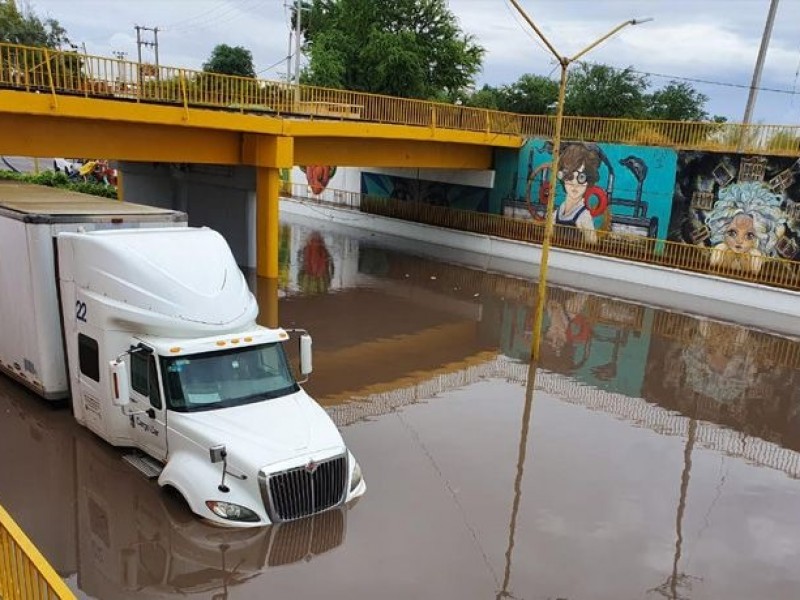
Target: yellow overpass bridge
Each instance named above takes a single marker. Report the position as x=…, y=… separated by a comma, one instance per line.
x=55, y=103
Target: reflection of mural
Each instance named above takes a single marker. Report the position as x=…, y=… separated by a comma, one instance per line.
x=623, y=189
x=437, y=193
x=601, y=341
x=742, y=207
x=318, y=177
x=726, y=374
x=316, y=266
x=286, y=181
x=284, y=256
x=719, y=362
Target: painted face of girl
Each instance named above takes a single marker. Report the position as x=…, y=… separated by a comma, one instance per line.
x=575, y=184
x=741, y=234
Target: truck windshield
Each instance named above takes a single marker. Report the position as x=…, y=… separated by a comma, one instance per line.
x=226, y=377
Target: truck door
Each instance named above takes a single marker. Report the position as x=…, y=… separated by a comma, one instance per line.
x=89, y=378
x=147, y=405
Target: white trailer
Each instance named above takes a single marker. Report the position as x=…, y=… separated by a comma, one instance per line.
x=163, y=354
x=31, y=217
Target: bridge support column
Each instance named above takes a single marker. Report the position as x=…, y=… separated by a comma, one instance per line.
x=268, y=183
x=268, y=154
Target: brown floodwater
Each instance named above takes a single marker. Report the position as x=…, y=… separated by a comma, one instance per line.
x=654, y=454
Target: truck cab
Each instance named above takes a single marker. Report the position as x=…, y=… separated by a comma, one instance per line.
x=164, y=355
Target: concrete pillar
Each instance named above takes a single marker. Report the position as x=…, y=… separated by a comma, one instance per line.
x=267, y=196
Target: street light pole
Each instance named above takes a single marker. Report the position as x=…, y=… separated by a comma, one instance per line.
x=564, y=62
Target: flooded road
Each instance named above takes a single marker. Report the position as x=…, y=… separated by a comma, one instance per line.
x=655, y=455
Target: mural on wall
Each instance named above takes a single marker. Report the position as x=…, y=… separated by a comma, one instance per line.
x=743, y=207
x=318, y=177
x=436, y=193
x=623, y=189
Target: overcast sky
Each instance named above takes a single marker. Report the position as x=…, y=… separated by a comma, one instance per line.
x=710, y=40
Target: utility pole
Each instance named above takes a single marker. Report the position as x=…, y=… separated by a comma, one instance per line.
x=762, y=55
x=289, y=60
x=154, y=44
x=120, y=56
x=298, y=19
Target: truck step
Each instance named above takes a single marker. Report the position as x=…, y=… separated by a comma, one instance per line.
x=149, y=467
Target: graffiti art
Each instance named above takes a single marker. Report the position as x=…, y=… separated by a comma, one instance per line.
x=621, y=189
x=436, y=193
x=318, y=177
x=742, y=207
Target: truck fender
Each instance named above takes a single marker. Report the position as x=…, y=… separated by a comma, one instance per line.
x=186, y=472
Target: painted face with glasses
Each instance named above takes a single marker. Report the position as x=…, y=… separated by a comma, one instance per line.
x=575, y=184
x=577, y=172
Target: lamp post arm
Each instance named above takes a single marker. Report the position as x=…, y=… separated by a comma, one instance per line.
x=600, y=40
x=537, y=30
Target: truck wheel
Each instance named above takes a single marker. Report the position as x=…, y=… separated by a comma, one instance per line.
x=177, y=506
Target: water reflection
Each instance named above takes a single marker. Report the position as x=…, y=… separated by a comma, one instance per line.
x=122, y=536
x=718, y=372
x=671, y=373
x=599, y=485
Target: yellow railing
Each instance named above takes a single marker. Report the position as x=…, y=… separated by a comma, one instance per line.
x=58, y=72
x=24, y=572
x=768, y=270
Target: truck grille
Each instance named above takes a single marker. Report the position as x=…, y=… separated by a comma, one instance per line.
x=306, y=490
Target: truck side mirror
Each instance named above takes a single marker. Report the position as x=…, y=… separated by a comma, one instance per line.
x=120, y=388
x=217, y=453
x=305, y=355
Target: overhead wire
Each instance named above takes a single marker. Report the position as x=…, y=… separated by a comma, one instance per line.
x=527, y=30
x=233, y=12
x=181, y=22
x=695, y=79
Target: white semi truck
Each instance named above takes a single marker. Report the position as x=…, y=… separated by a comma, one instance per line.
x=149, y=326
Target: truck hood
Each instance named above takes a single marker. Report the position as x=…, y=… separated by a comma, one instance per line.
x=262, y=433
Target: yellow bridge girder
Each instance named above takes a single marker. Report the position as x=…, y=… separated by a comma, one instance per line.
x=125, y=130
x=41, y=124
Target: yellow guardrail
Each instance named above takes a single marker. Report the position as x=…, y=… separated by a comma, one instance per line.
x=58, y=72
x=768, y=270
x=24, y=572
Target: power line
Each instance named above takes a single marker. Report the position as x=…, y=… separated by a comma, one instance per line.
x=696, y=79
x=233, y=12
x=180, y=23
x=527, y=30
x=273, y=65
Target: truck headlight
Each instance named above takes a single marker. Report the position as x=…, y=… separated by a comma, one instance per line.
x=232, y=512
x=356, y=478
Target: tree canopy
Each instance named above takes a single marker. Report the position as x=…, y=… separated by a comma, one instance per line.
x=230, y=60
x=26, y=28
x=596, y=91
x=530, y=95
x=408, y=48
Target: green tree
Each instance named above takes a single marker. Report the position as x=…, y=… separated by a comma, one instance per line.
x=26, y=28
x=530, y=95
x=486, y=97
x=603, y=91
x=677, y=102
x=409, y=48
x=230, y=60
